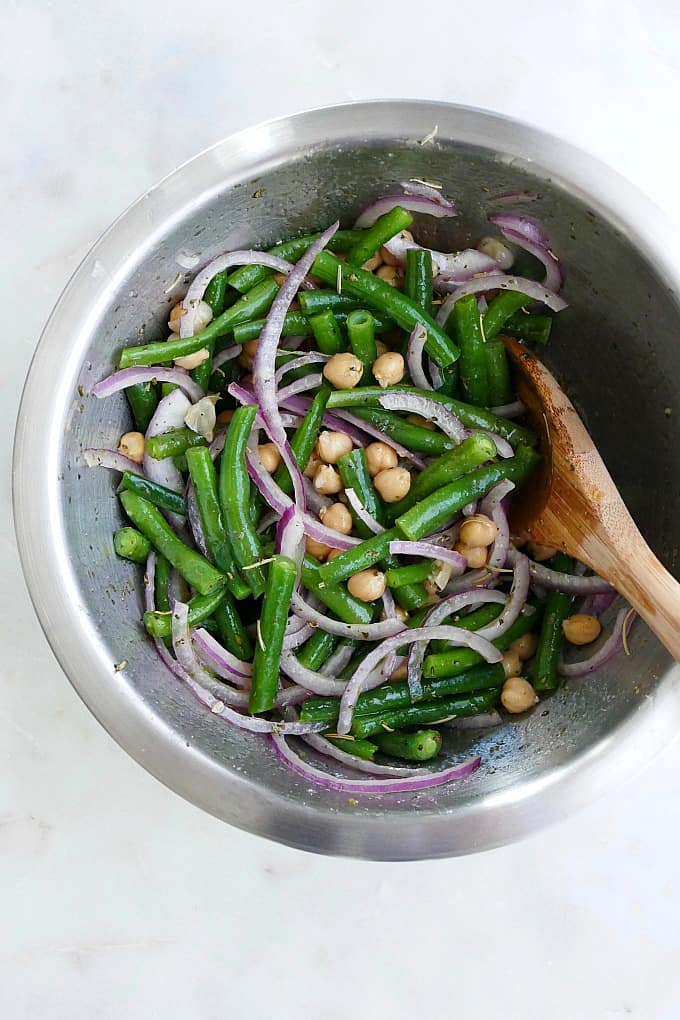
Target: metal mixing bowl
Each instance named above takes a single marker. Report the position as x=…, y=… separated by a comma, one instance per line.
x=616, y=348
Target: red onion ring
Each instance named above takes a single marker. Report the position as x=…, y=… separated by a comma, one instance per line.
x=554, y=580
x=492, y=506
x=513, y=410
x=314, y=683
x=483, y=721
x=141, y=374
x=302, y=385
x=430, y=551
x=521, y=284
x=611, y=647
x=228, y=354
x=355, y=631
x=219, y=660
x=413, y=203
x=308, y=358
x=415, y=187
x=450, y=266
x=516, y=601
x=414, y=357
x=529, y=235
x=362, y=513
x=351, y=761
x=449, y=423
x=112, y=460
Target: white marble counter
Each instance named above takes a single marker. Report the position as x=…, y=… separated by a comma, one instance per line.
x=117, y=899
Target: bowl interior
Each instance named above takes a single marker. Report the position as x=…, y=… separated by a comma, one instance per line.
x=615, y=349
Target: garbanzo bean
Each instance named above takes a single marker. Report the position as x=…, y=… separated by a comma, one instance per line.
x=327, y=480
x=518, y=695
x=270, y=457
x=337, y=517
x=389, y=369
x=380, y=457
x=318, y=549
x=474, y=554
x=393, y=484
x=498, y=251
x=581, y=628
x=525, y=646
x=478, y=530
x=344, y=371
x=367, y=585
x=331, y=446
x=191, y=361
x=132, y=445
x=540, y=552
x=512, y=664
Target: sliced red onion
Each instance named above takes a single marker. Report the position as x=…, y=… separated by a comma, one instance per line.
x=414, y=357
x=430, y=551
x=435, y=374
x=358, y=681
x=141, y=374
x=414, y=403
x=301, y=385
x=493, y=506
x=514, y=605
x=219, y=265
x=309, y=358
x=555, y=580
x=375, y=433
x=356, y=631
x=611, y=647
x=424, y=781
x=513, y=410
x=219, y=660
x=290, y=536
x=168, y=415
x=351, y=761
x=512, y=197
x=112, y=460
x=297, y=637
x=362, y=513
x=521, y=284
x=483, y=721
x=473, y=578
x=340, y=658
x=314, y=683
x=597, y=605
x=228, y=354
x=428, y=190
x=194, y=519
x=414, y=203
x=456, y=267
x=316, y=501
x=469, y=509
x=527, y=233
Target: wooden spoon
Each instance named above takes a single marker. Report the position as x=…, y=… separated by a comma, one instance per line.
x=579, y=509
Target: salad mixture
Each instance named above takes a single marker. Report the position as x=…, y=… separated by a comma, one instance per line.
x=317, y=488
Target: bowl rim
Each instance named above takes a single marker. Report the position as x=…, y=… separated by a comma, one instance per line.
x=491, y=821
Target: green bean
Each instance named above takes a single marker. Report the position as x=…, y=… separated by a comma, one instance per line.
x=557, y=605
x=500, y=309
x=435, y=510
x=271, y=628
x=294, y=324
x=381, y=323
x=469, y=621
x=353, y=468
x=312, y=302
x=334, y=597
x=204, y=477
x=305, y=438
x=472, y=452
x=472, y=367
x=388, y=301
x=497, y=373
x=359, y=748
x=416, y=438
x=162, y=582
x=143, y=401
x=395, y=694
x=327, y=333
x=257, y=302
x=173, y=443
x=159, y=495
x=159, y=623
x=421, y=745
x=193, y=567
x=418, y=279
x=234, y=497
x=130, y=544
x=383, y=230
x=459, y=660
x=361, y=333
x=423, y=713
x=216, y=293
x=535, y=328
x=471, y=417
x=359, y=557
x=415, y=573
x=232, y=632
x=316, y=650
x=246, y=277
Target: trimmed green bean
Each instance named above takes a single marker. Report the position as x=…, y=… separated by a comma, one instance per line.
x=327, y=333
x=422, y=745
x=216, y=293
x=143, y=401
x=359, y=557
x=313, y=302
x=252, y=305
x=193, y=567
x=159, y=622
x=246, y=277
x=383, y=230
x=162, y=582
x=272, y=625
x=525, y=326
x=499, y=385
x=435, y=510
x=316, y=650
x=173, y=443
x=500, y=309
x=159, y=495
x=472, y=366
x=418, y=279
x=305, y=438
x=361, y=333
x=353, y=468
x=423, y=713
x=416, y=438
x=335, y=597
x=294, y=324
x=130, y=544
x=204, y=477
x=415, y=573
x=232, y=632
x=234, y=498
x=459, y=660
x=359, y=748
x=557, y=605
x=389, y=301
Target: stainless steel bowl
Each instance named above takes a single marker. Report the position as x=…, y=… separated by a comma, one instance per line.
x=616, y=348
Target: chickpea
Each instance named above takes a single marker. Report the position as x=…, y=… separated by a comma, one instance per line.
x=190, y=361
x=393, y=484
x=202, y=316
x=224, y=417
x=381, y=348
x=333, y=553
x=132, y=445
x=331, y=446
x=373, y=263
x=319, y=550
x=344, y=371
x=390, y=274
x=498, y=251
x=387, y=256
x=280, y=278
x=380, y=457
x=478, y=530
x=337, y=517
x=248, y=352
x=581, y=629
x=400, y=673
x=401, y=613
x=540, y=552
x=474, y=554
x=512, y=664
x=388, y=369
x=425, y=423
x=367, y=585
x=327, y=481
x=270, y=457
x=176, y=314
x=518, y=695
x=313, y=465
x=525, y=646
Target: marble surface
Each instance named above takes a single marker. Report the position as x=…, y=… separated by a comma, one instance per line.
x=117, y=898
